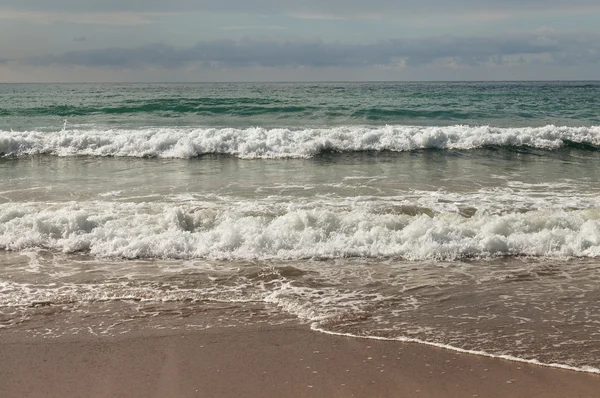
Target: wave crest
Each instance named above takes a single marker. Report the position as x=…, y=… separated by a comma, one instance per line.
x=257, y=143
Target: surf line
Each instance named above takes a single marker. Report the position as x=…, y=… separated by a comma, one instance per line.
x=585, y=369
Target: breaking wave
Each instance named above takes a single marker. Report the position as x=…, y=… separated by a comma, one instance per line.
x=163, y=230
x=256, y=143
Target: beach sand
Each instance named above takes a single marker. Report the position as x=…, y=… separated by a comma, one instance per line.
x=265, y=361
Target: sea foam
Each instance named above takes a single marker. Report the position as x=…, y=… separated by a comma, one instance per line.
x=251, y=143
x=163, y=230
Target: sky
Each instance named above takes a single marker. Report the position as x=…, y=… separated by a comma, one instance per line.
x=298, y=40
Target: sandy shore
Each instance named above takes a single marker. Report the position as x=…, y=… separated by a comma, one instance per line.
x=280, y=361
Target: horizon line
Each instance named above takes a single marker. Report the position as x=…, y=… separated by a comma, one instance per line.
x=310, y=81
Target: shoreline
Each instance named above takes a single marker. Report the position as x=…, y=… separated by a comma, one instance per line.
x=589, y=369
x=260, y=360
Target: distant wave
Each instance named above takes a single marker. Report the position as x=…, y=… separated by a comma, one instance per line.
x=257, y=143
x=278, y=109
x=218, y=107
x=207, y=106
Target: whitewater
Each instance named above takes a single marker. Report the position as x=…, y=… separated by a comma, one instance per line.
x=256, y=143
x=200, y=231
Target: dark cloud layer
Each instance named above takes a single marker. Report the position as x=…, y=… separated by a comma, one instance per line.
x=549, y=48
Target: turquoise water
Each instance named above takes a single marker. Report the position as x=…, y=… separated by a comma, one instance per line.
x=457, y=214
x=529, y=104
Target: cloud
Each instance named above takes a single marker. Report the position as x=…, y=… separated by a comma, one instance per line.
x=401, y=37
x=545, y=47
x=347, y=9
x=252, y=27
x=85, y=18
x=261, y=5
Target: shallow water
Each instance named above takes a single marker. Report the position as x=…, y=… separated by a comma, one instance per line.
x=543, y=310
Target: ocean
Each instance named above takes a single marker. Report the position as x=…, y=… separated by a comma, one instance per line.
x=460, y=215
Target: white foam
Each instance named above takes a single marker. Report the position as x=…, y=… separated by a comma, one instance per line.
x=283, y=143
x=319, y=306
x=163, y=230
x=314, y=303
x=23, y=294
x=587, y=369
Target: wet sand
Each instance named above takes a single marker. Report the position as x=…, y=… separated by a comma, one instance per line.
x=265, y=361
